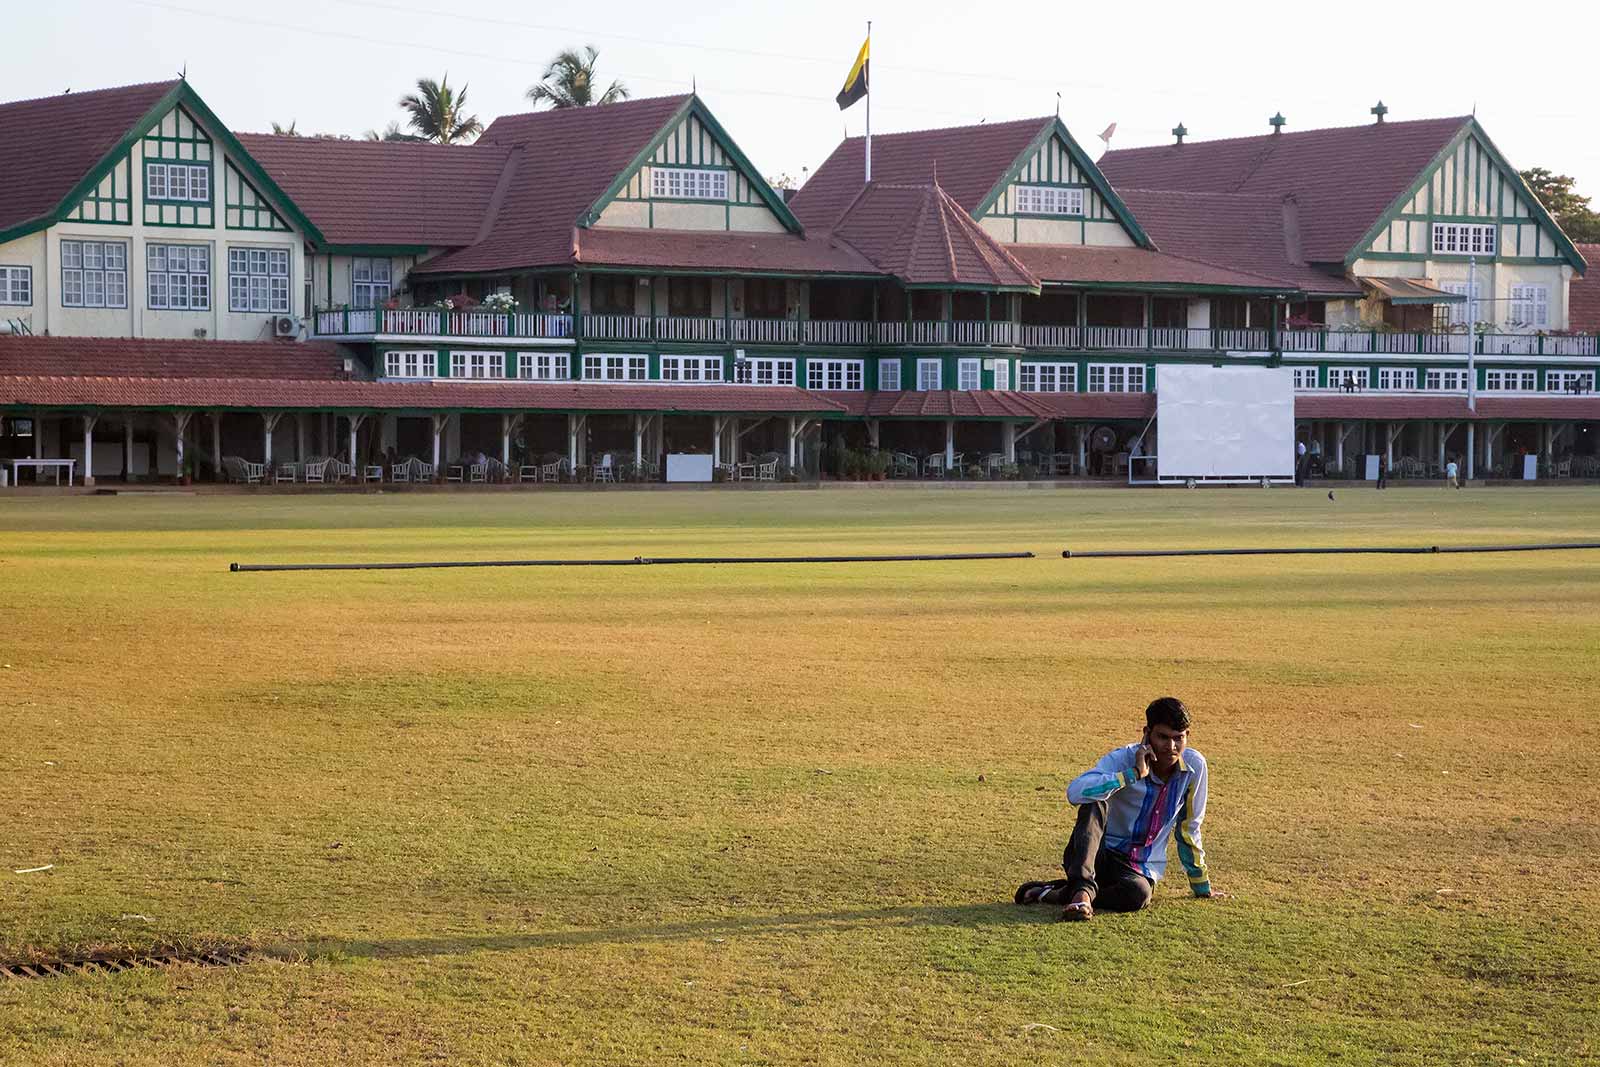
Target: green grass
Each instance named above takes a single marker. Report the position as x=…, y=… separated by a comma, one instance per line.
x=774, y=814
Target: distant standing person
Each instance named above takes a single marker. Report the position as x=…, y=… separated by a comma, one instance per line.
x=1300, y=463
x=1452, y=474
x=1130, y=804
x=1383, y=471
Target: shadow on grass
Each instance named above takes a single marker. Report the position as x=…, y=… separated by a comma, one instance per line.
x=997, y=914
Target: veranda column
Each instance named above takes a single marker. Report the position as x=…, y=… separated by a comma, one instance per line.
x=269, y=421
x=1008, y=441
x=1472, y=451
x=572, y=442
x=638, y=443
x=1442, y=432
x=356, y=472
x=88, y=449
x=438, y=432
x=949, y=445
x=1083, y=451
x=505, y=440
x=299, y=437
x=127, y=447
x=873, y=427
x=791, y=442
x=1338, y=446
x=1388, y=445
x=717, y=426
x=180, y=423
x=216, y=445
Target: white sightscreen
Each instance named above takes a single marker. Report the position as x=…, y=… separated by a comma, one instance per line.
x=1224, y=422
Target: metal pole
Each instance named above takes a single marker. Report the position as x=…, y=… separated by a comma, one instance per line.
x=1472, y=334
x=869, y=100
x=1472, y=452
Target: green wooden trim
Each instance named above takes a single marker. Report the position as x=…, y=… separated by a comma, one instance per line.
x=1457, y=257
x=1536, y=210
x=1054, y=128
x=386, y=250
x=1159, y=288
x=275, y=224
x=693, y=106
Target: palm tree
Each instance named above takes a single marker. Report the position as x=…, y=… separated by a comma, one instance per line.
x=569, y=82
x=437, y=112
x=391, y=132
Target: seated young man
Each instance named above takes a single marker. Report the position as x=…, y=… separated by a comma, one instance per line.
x=1129, y=805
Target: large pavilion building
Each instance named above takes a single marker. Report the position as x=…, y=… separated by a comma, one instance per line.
x=620, y=281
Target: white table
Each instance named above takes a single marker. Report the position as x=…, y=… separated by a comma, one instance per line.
x=39, y=465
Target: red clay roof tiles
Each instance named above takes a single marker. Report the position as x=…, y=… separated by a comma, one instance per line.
x=777, y=253
x=1584, y=294
x=50, y=144
x=384, y=192
x=1133, y=266
x=121, y=356
x=1344, y=178
x=922, y=236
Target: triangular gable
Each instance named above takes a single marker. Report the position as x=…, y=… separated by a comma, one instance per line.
x=92, y=185
x=693, y=137
x=243, y=206
x=1092, y=179
x=1467, y=192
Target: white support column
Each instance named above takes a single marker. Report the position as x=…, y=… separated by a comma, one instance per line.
x=88, y=448
x=1083, y=451
x=127, y=447
x=180, y=423
x=949, y=445
x=1338, y=446
x=299, y=437
x=873, y=428
x=1442, y=432
x=505, y=440
x=1388, y=445
x=792, y=432
x=269, y=422
x=572, y=441
x=1472, y=452
x=1008, y=441
x=1488, y=448
x=216, y=445
x=638, y=443
x=438, y=422
x=718, y=425
x=355, y=424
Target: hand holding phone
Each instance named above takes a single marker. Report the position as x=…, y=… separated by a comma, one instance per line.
x=1141, y=761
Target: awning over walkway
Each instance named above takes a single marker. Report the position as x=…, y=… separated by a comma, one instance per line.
x=1453, y=406
x=1402, y=291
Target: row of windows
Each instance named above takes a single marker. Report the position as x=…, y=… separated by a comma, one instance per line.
x=94, y=274
x=178, y=181
x=1464, y=239
x=1527, y=305
x=1450, y=381
x=685, y=183
x=1049, y=200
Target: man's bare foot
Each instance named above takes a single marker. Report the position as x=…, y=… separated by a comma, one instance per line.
x=1078, y=909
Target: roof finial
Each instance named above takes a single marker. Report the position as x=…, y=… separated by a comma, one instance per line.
x=1277, y=122
x=183, y=72
x=936, y=174
x=1380, y=111
x=1058, y=103
x=1180, y=132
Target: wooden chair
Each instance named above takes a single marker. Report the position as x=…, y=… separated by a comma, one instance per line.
x=286, y=472
x=478, y=472
x=528, y=472
x=933, y=466
x=455, y=472
x=605, y=471
x=767, y=472
x=316, y=471
x=400, y=472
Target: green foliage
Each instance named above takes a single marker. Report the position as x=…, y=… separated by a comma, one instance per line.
x=1570, y=209
x=438, y=113
x=569, y=81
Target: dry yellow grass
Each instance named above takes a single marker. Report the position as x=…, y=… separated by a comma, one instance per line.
x=735, y=815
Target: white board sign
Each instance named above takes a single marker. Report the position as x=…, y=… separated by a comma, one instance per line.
x=1225, y=422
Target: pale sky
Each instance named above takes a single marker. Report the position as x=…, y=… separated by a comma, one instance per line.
x=770, y=71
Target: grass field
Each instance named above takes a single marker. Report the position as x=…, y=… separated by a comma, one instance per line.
x=774, y=815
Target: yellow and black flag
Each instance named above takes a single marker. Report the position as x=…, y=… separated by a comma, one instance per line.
x=855, y=85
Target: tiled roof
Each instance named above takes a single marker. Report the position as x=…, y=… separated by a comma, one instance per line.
x=211, y=393
x=1133, y=266
x=1453, y=407
x=50, y=144
x=779, y=253
x=970, y=161
x=1246, y=232
x=922, y=236
x=942, y=404
x=384, y=192
x=120, y=356
x=1095, y=406
x=570, y=157
x=1342, y=178
x=1584, y=294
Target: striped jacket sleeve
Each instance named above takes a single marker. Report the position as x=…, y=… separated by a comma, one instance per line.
x=1113, y=772
x=1190, y=851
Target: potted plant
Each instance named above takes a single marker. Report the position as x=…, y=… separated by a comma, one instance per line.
x=878, y=464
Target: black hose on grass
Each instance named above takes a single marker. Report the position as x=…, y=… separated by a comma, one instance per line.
x=1419, y=550
x=637, y=561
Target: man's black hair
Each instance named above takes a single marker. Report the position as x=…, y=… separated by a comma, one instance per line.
x=1168, y=712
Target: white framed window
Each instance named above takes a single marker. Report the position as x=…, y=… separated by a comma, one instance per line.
x=691, y=368
x=1116, y=377
x=930, y=374
x=477, y=364
x=889, y=374
x=1397, y=377
x=371, y=281
x=16, y=285
x=1047, y=377
x=94, y=274
x=1446, y=381
x=1049, y=200
x=1561, y=381
x=764, y=371
x=835, y=374
x=688, y=183
x=1516, y=381
x=1464, y=239
x=1530, y=306
x=1002, y=374
x=258, y=280
x=1459, y=314
x=413, y=363
x=178, y=277
x=1348, y=377
x=969, y=374
x=544, y=366
x=177, y=181
x=1305, y=378
x=606, y=368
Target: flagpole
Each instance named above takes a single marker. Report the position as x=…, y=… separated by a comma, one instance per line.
x=869, y=102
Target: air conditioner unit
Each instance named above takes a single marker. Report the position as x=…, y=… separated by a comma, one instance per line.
x=200, y=333
x=285, y=326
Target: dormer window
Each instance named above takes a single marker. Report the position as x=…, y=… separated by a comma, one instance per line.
x=1049, y=200
x=1463, y=239
x=686, y=183
x=177, y=181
